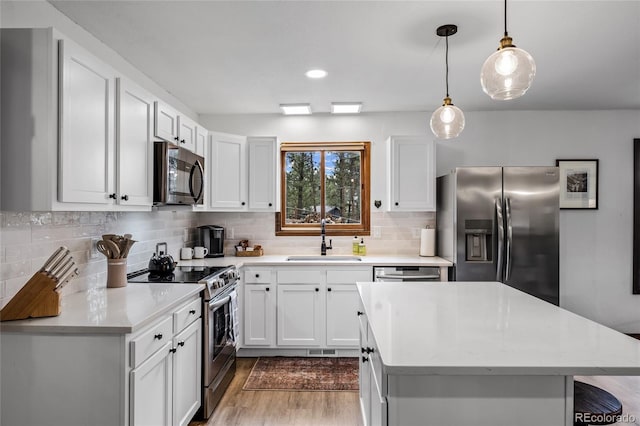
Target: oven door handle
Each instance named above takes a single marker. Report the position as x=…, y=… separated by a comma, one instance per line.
x=215, y=305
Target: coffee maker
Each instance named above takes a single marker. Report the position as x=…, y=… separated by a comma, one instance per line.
x=212, y=238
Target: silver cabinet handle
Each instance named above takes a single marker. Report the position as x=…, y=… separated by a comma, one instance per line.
x=500, y=232
x=509, y=252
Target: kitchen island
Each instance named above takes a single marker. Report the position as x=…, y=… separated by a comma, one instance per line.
x=477, y=353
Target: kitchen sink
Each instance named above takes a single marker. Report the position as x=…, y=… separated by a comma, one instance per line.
x=324, y=258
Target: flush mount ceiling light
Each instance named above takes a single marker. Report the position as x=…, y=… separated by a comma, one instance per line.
x=317, y=73
x=346, y=107
x=507, y=73
x=447, y=121
x=295, y=109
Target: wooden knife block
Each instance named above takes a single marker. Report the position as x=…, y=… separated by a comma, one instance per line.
x=37, y=298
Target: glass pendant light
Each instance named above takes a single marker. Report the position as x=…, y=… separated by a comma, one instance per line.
x=447, y=121
x=508, y=72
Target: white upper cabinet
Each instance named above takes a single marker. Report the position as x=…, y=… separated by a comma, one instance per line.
x=242, y=173
x=228, y=176
x=187, y=133
x=262, y=170
x=73, y=138
x=202, y=138
x=134, y=144
x=174, y=127
x=166, y=123
x=411, y=173
x=87, y=92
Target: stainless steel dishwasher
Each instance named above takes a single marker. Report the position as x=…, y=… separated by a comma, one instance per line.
x=406, y=273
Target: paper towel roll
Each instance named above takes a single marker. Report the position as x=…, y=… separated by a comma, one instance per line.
x=428, y=242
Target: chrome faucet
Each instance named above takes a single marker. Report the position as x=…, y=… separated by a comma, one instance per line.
x=323, y=245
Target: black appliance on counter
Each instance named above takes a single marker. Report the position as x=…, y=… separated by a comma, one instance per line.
x=219, y=323
x=212, y=238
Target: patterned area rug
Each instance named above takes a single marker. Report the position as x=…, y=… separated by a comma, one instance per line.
x=303, y=374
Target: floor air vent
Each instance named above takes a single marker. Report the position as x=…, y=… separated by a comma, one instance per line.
x=321, y=352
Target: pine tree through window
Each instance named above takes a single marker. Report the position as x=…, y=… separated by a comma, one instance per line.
x=324, y=180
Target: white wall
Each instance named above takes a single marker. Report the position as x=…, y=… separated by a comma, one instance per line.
x=595, y=246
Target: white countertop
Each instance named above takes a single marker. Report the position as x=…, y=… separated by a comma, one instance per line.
x=280, y=260
x=488, y=328
x=109, y=310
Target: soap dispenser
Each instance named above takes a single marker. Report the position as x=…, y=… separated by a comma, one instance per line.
x=362, y=249
x=355, y=245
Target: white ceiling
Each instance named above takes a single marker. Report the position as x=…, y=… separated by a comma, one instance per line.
x=249, y=56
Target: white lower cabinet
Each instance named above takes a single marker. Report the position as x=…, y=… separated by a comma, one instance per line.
x=373, y=382
x=187, y=362
x=300, y=315
x=302, y=307
x=151, y=389
x=165, y=387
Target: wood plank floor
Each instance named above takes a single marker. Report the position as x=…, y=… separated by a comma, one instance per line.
x=282, y=408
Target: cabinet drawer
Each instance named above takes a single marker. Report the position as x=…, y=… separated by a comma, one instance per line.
x=299, y=277
x=257, y=276
x=347, y=276
x=186, y=315
x=150, y=341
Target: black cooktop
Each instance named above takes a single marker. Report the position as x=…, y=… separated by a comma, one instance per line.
x=182, y=274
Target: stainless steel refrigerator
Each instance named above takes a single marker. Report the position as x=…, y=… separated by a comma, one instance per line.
x=501, y=224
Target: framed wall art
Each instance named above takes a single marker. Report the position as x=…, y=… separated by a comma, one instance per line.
x=578, y=184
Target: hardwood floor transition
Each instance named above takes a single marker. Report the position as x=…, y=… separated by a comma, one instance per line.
x=287, y=408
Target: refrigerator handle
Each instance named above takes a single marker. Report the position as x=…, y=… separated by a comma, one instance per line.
x=500, y=232
x=509, y=255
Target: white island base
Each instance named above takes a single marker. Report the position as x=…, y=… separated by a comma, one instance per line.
x=479, y=354
x=480, y=400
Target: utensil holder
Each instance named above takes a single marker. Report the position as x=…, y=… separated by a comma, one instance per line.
x=116, y=273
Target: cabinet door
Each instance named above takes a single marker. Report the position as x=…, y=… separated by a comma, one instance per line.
x=300, y=315
x=202, y=136
x=187, y=371
x=187, y=133
x=165, y=123
x=134, y=145
x=364, y=378
x=228, y=177
x=151, y=390
x=411, y=173
x=259, y=315
x=342, y=321
x=87, y=92
x=262, y=169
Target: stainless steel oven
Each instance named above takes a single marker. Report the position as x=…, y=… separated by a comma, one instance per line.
x=220, y=324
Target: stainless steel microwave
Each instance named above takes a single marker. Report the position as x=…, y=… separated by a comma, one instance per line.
x=178, y=175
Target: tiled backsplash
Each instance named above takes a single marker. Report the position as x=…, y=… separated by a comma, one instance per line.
x=28, y=238
x=400, y=233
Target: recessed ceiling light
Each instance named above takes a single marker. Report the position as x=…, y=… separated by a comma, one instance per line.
x=346, y=107
x=316, y=73
x=295, y=109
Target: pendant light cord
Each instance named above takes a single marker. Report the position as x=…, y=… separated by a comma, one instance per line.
x=506, y=34
x=446, y=62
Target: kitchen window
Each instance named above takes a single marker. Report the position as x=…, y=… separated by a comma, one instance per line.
x=327, y=180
